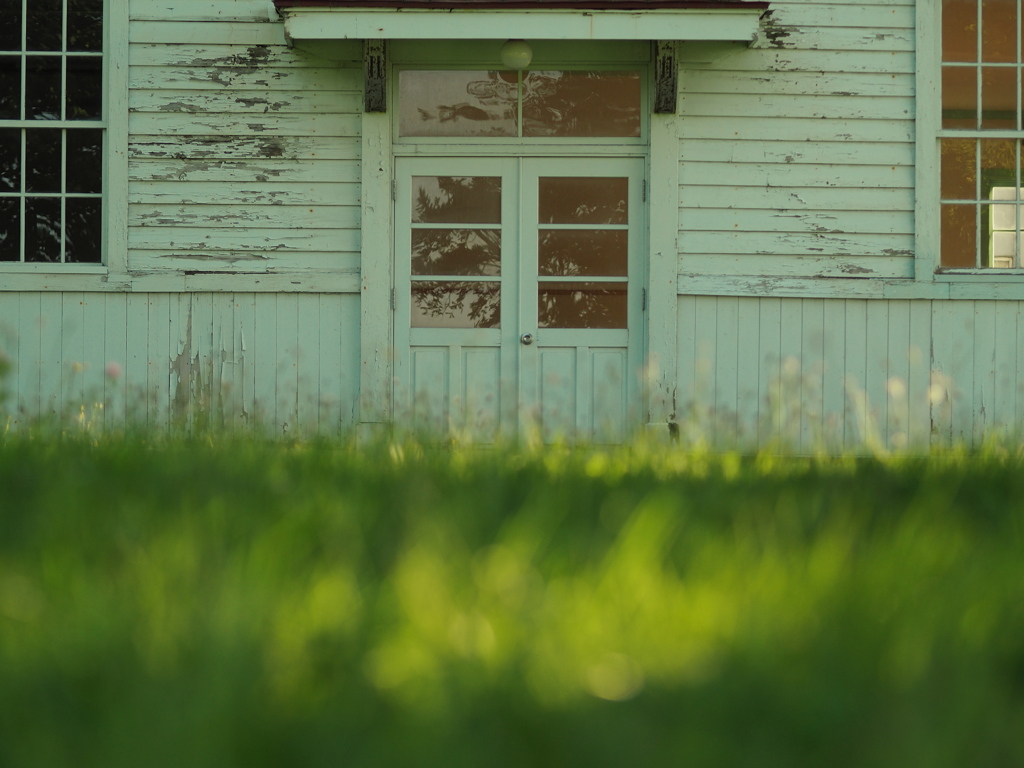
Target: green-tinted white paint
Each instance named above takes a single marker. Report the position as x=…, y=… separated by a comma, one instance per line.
x=789, y=244
x=571, y=382
x=280, y=361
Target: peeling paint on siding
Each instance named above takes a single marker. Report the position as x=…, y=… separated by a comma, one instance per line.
x=775, y=33
x=254, y=58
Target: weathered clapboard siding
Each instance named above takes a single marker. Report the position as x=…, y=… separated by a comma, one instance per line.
x=822, y=373
x=796, y=156
x=844, y=373
x=199, y=10
x=281, y=362
x=243, y=153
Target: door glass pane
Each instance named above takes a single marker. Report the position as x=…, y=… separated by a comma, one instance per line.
x=584, y=200
x=461, y=252
x=457, y=103
x=581, y=104
x=456, y=304
x=569, y=252
x=581, y=305
x=456, y=199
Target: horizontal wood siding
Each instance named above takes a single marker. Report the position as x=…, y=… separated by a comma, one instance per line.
x=243, y=153
x=796, y=156
x=280, y=362
x=845, y=373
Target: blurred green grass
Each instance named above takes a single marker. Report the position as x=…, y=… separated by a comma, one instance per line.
x=229, y=601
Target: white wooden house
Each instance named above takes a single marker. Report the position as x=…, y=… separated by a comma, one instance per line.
x=742, y=218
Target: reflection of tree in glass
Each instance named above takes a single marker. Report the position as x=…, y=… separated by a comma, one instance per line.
x=467, y=304
x=493, y=99
x=459, y=200
x=563, y=305
x=584, y=200
x=581, y=104
x=456, y=252
x=571, y=253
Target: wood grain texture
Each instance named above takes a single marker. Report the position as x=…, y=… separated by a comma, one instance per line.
x=284, y=363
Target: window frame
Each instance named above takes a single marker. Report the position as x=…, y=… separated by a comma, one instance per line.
x=112, y=268
x=928, y=260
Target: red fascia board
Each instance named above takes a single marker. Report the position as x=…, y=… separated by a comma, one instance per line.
x=581, y=5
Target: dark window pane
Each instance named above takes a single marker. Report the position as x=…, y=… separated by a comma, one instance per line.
x=10, y=87
x=457, y=103
x=457, y=252
x=959, y=235
x=582, y=305
x=10, y=229
x=584, y=200
x=456, y=199
x=45, y=20
x=451, y=304
x=581, y=104
x=42, y=160
x=10, y=29
x=42, y=88
x=42, y=229
x=959, y=169
x=85, y=161
x=10, y=159
x=998, y=97
x=569, y=252
x=85, y=88
x=960, y=97
x=82, y=230
x=85, y=25
x=999, y=30
x=960, y=30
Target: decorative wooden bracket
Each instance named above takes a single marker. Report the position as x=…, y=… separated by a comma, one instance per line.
x=666, y=77
x=375, y=76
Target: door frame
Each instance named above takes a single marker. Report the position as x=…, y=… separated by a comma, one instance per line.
x=517, y=398
x=661, y=256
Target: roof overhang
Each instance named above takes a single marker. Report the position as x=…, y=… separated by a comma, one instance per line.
x=531, y=20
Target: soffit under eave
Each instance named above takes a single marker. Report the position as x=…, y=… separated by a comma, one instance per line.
x=731, y=23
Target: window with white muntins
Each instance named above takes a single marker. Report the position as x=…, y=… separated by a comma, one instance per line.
x=980, y=134
x=52, y=131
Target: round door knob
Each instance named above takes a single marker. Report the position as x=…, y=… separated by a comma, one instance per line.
x=527, y=339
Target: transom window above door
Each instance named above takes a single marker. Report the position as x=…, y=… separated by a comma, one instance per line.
x=498, y=104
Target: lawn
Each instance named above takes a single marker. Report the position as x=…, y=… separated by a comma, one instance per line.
x=228, y=601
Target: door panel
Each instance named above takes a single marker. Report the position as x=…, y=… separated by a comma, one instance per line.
x=517, y=295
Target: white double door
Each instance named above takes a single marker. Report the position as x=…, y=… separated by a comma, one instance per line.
x=518, y=301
